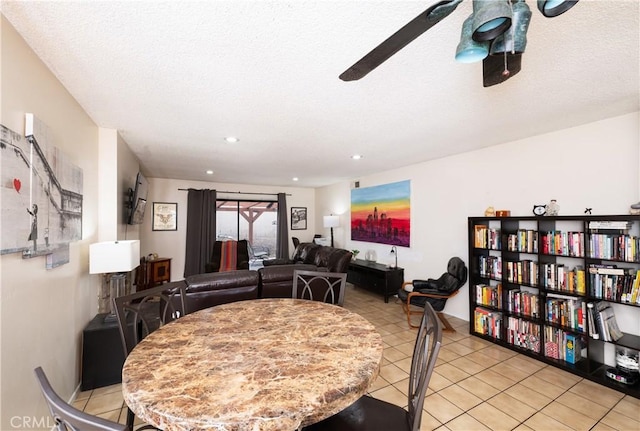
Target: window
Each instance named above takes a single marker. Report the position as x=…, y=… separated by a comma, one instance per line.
x=255, y=221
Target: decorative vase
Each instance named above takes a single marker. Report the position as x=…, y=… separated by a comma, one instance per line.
x=371, y=256
x=553, y=208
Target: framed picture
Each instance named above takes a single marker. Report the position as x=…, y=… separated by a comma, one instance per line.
x=165, y=216
x=298, y=218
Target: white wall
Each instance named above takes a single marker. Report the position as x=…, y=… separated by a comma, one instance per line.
x=594, y=165
x=172, y=243
x=43, y=312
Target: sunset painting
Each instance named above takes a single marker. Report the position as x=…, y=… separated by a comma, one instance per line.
x=382, y=214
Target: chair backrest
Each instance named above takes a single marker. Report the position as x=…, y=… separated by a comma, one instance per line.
x=425, y=353
x=296, y=241
x=454, y=278
x=141, y=313
x=458, y=269
x=67, y=417
x=319, y=286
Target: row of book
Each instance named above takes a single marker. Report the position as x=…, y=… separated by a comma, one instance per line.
x=562, y=345
x=614, y=284
x=488, y=322
x=614, y=247
x=524, y=241
x=568, y=312
x=602, y=322
x=524, y=303
x=557, y=276
x=490, y=267
x=523, y=333
x=562, y=243
x=486, y=237
x=521, y=272
x=489, y=295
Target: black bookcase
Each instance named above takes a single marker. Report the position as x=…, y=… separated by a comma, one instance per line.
x=531, y=280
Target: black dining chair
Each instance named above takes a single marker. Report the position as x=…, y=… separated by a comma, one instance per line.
x=322, y=286
x=141, y=313
x=371, y=414
x=67, y=417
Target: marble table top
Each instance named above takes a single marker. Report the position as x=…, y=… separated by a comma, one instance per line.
x=265, y=364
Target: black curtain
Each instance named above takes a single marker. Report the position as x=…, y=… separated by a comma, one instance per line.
x=201, y=230
x=282, y=240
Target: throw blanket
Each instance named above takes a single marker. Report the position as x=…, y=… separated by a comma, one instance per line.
x=229, y=256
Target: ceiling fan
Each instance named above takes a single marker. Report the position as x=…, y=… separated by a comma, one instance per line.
x=495, y=32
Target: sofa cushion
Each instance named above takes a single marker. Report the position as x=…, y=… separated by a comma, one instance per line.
x=339, y=260
x=208, y=290
x=222, y=280
x=277, y=281
x=305, y=252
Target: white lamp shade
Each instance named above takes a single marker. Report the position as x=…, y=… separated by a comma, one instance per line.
x=331, y=221
x=114, y=256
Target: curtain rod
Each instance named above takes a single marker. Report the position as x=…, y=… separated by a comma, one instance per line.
x=240, y=193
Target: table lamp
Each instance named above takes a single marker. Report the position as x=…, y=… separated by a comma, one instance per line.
x=114, y=259
x=331, y=221
x=394, y=252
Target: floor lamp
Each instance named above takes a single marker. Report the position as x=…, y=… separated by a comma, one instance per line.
x=331, y=221
x=114, y=259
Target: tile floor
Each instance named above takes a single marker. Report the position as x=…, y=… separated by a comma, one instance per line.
x=476, y=385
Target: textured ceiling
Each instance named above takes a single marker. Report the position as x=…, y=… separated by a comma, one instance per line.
x=175, y=78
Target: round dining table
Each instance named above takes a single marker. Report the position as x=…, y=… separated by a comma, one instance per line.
x=264, y=364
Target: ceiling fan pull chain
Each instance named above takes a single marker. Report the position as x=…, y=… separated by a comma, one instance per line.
x=506, y=71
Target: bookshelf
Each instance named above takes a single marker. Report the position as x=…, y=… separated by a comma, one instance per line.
x=542, y=286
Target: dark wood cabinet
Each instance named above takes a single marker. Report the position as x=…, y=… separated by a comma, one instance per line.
x=152, y=273
x=102, y=353
x=375, y=276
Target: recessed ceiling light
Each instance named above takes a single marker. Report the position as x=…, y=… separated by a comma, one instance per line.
x=209, y=172
x=231, y=139
x=294, y=178
x=356, y=156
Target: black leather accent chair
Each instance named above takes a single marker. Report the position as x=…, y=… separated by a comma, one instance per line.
x=434, y=291
x=242, y=260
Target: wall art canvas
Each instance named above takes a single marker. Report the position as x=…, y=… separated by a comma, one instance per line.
x=382, y=214
x=41, y=195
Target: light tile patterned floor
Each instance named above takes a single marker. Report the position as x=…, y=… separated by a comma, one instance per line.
x=476, y=385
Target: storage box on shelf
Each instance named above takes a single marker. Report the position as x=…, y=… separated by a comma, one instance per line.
x=549, y=287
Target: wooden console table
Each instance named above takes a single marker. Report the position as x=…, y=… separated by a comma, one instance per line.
x=152, y=273
x=376, y=276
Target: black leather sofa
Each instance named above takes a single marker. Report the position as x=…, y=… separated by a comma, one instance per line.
x=276, y=278
x=272, y=281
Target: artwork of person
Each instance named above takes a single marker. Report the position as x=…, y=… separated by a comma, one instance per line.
x=33, y=236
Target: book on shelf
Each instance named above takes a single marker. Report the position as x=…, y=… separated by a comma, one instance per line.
x=572, y=348
x=480, y=235
x=488, y=322
x=606, y=322
x=610, y=224
x=593, y=329
x=635, y=289
x=489, y=295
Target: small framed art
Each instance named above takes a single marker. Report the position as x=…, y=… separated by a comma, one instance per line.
x=298, y=218
x=165, y=216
